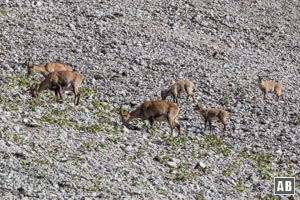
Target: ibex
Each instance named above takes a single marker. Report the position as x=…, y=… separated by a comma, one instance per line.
x=154, y=111
x=60, y=81
x=177, y=88
x=46, y=68
x=210, y=114
x=270, y=87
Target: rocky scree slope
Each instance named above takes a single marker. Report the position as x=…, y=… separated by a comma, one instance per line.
x=129, y=51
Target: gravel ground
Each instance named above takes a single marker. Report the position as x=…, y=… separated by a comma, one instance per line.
x=128, y=51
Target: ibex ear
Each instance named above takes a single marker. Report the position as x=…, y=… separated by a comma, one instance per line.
x=28, y=63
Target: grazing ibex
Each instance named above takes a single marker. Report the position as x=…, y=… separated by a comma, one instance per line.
x=60, y=81
x=210, y=114
x=154, y=111
x=270, y=87
x=46, y=68
x=177, y=88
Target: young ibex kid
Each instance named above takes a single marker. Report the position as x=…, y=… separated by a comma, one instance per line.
x=211, y=114
x=177, y=88
x=154, y=111
x=60, y=81
x=46, y=68
x=270, y=87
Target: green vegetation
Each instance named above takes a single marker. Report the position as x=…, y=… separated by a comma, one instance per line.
x=181, y=139
x=87, y=91
x=269, y=197
x=263, y=162
x=3, y=12
x=25, y=163
x=76, y=157
x=8, y=135
x=227, y=100
x=215, y=142
x=98, y=104
x=161, y=191
x=47, y=118
x=199, y=197
x=23, y=81
x=297, y=120
x=227, y=171
x=184, y=173
x=114, y=140
x=240, y=186
x=42, y=175
x=94, y=128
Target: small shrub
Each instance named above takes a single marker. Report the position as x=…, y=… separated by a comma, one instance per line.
x=227, y=100
x=161, y=191
x=94, y=128
x=3, y=12
x=297, y=120
x=240, y=186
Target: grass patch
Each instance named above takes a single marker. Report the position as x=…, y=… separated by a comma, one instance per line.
x=240, y=186
x=42, y=162
x=99, y=104
x=297, y=120
x=227, y=171
x=269, y=197
x=103, y=117
x=8, y=135
x=182, y=139
x=263, y=160
x=215, y=142
x=184, y=175
x=114, y=140
x=25, y=163
x=94, y=128
x=3, y=12
x=42, y=175
x=227, y=100
x=76, y=157
x=47, y=118
x=199, y=197
x=87, y=91
x=161, y=191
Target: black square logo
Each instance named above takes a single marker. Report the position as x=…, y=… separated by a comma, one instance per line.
x=284, y=186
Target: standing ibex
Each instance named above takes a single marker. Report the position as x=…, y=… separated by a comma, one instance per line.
x=210, y=114
x=154, y=111
x=270, y=87
x=60, y=81
x=46, y=68
x=177, y=88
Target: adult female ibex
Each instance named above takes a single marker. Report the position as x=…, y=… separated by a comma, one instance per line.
x=159, y=110
x=177, y=88
x=46, y=68
x=59, y=82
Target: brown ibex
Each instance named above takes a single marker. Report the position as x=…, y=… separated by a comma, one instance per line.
x=270, y=87
x=159, y=110
x=210, y=114
x=46, y=68
x=60, y=81
x=177, y=88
